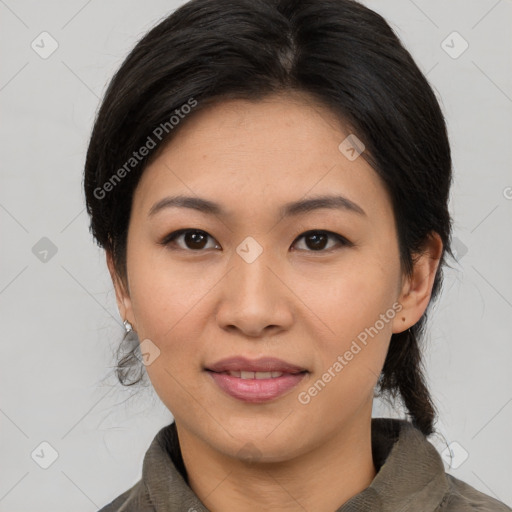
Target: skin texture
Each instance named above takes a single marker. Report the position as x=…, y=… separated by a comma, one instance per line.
x=294, y=302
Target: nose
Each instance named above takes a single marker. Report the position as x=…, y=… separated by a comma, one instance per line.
x=254, y=298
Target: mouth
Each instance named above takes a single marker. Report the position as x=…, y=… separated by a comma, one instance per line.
x=255, y=381
x=244, y=374
x=247, y=366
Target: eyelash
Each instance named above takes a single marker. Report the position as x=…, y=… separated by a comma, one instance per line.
x=342, y=241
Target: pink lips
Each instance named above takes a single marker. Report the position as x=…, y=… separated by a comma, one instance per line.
x=252, y=389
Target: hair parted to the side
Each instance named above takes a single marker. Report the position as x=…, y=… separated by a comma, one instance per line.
x=344, y=56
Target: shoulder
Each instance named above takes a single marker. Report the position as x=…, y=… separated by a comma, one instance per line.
x=411, y=471
x=132, y=500
x=461, y=497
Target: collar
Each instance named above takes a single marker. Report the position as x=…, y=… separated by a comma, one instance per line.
x=409, y=472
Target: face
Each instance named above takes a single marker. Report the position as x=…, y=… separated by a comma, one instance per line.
x=248, y=281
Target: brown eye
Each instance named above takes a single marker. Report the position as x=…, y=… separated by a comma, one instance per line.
x=316, y=241
x=193, y=239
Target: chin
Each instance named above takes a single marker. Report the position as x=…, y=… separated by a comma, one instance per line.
x=266, y=442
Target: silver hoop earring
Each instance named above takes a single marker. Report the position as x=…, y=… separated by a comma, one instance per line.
x=128, y=326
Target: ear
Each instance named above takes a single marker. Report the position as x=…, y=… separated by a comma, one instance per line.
x=124, y=303
x=417, y=289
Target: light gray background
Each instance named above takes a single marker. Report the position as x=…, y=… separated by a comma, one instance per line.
x=59, y=318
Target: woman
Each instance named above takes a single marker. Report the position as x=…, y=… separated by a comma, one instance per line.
x=270, y=182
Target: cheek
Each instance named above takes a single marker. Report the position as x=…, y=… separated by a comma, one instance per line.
x=356, y=309
x=351, y=360
x=352, y=298
x=172, y=306
x=164, y=293
x=169, y=308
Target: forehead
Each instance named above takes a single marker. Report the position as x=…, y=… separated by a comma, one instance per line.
x=262, y=154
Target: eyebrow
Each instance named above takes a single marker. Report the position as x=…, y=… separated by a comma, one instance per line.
x=289, y=209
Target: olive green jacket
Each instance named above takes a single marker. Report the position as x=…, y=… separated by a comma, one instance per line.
x=410, y=478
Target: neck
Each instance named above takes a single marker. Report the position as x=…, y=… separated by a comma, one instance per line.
x=322, y=479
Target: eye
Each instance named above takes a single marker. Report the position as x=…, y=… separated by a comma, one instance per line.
x=196, y=240
x=193, y=238
x=317, y=240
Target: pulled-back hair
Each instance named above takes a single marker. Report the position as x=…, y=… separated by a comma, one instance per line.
x=342, y=54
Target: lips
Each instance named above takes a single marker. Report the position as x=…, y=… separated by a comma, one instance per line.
x=248, y=366
x=255, y=381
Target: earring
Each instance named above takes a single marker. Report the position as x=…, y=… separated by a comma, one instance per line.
x=127, y=326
